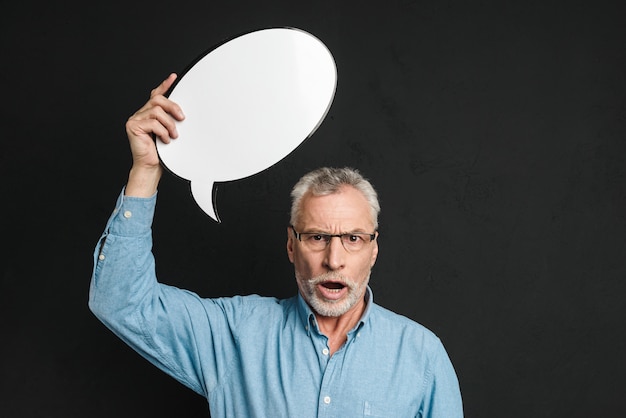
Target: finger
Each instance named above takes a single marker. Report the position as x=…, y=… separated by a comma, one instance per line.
x=159, y=101
x=162, y=133
x=164, y=86
x=144, y=129
x=166, y=120
x=142, y=122
x=163, y=114
x=169, y=106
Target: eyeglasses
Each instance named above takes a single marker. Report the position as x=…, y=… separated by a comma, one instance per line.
x=317, y=241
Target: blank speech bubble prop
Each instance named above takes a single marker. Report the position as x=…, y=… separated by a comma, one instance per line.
x=248, y=103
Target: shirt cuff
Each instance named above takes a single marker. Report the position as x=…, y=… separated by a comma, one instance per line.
x=132, y=216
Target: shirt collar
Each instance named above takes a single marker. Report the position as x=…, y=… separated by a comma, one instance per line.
x=308, y=316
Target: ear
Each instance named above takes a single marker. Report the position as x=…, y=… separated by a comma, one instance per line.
x=290, y=243
x=374, y=251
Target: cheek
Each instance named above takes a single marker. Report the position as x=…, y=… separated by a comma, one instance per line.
x=366, y=265
x=365, y=271
x=306, y=266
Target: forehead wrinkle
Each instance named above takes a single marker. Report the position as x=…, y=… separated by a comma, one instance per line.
x=342, y=212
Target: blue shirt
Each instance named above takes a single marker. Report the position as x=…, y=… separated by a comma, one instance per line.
x=254, y=356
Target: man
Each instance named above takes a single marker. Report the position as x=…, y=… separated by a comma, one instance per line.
x=330, y=351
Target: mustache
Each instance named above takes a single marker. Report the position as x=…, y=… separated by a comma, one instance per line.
x=332, y=276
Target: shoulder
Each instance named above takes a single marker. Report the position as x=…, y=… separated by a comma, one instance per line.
x=253, y=305
x=409, y=346
x=388, y=324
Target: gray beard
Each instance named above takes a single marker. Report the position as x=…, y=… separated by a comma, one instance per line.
x=332, y=308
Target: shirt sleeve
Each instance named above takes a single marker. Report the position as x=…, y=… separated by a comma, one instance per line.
x=443, y=396
x=174, y=329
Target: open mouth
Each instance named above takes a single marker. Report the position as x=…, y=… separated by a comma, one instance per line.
x=332, y=287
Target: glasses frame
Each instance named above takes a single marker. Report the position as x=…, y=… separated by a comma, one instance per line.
x=331, y=236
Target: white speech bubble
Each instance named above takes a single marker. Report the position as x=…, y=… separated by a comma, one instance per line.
x=248, y=104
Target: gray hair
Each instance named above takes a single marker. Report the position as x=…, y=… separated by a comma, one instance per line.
x=327, y=180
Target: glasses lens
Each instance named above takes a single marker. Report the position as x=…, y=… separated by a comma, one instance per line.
x=353, y=242
x=315, y=242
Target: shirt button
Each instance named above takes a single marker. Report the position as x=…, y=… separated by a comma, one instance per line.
x=325, y=351
x=128, y=214
x=101, y=257
x=326, y=400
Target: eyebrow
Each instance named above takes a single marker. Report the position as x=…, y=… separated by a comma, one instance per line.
x=357, y=231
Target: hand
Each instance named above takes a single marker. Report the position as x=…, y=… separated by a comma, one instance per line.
x=157, y=117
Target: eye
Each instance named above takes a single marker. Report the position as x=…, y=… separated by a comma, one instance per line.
x=354, y=238
x=318, y=237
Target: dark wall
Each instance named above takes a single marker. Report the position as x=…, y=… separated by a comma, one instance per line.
x=496, y=137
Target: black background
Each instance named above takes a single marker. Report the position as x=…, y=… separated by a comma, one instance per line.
x=494, y=132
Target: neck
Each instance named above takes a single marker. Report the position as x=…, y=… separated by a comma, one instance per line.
x=336, y=328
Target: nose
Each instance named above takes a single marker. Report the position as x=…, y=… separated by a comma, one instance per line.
x=335, y=256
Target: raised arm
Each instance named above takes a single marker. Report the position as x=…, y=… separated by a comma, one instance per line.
x=173, y=328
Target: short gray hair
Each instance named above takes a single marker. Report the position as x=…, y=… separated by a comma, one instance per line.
x=328, y=180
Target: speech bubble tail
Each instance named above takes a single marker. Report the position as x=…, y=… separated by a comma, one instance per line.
x=204, y=193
